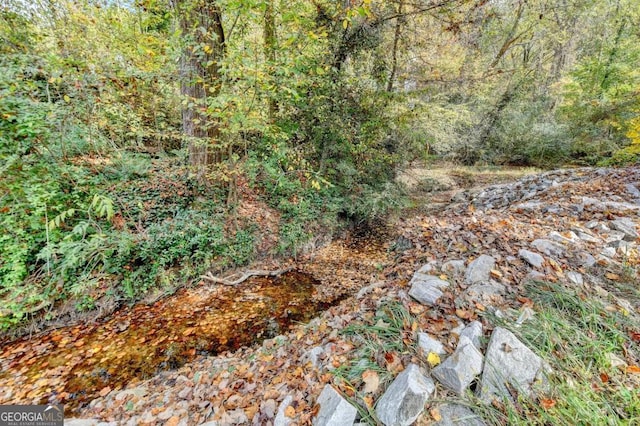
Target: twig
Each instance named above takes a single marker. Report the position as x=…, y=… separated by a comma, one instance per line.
x=246, y=275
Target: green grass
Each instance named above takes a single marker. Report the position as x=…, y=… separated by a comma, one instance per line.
x=577, y=333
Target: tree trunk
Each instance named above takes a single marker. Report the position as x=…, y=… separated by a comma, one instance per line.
x=202, y=53
x=270, y=40
x=394, y=53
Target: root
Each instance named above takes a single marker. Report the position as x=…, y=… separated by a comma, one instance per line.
x=245, y=275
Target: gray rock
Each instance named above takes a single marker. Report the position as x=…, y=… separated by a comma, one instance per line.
x=609, y=252
x=585, y=259
x=575, y=277
x=458, y=371
x=139, y=392
x=633, y=190
x=624, y=247
x=534, y=259
x=211, y=423
x=594, y=205
x=314, y=354
x=404, y=399
x=587, y=237
x=479, y=269
x=334, y=409
x=613, y=236
x=550, y=248
x=455, y=266
x=556, y=236
x=535, y=276
x=427, y=289
x=627, y=227
x=509, y=361
x=473, y=332
x=281, y=419
x=486, y=292
x=457, y=415
x=429, y=344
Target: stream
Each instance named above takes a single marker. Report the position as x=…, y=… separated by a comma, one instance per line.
x=73, y=365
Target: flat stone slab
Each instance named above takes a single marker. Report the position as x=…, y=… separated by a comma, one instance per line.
x=457, y=415
x=429, y=344
x=458, y=371
x=532, y=258
x=334, y=409
x=509, y=362
x=404, y=399
x=427, y=289
x=479, y=269
x=548, y=247
x=627, y=227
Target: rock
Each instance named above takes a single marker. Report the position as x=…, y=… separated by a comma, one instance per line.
x=458, y=371
x=587, y=237
x=80, y=422
x=427, y=289
x=575, y=278
x=633, y=190
x=473, y=332
x=455, y=266
x=139, y=392
x=486, y=292
x=404, y=399
x=624, y=247
x=211, y=423
x=535, y=276
x=534, y=259
x=509, y=361
x=281, y=418
x=609, y=252
x=627, y=227
x=429, y=344
x=479, y=269
x=613, y=236
x=457, y=415
x=313, y=355
x=166, y=414
x=334, y=409
x=585, y=259
x=550, y=248
x=594, y=205
x=556, y=236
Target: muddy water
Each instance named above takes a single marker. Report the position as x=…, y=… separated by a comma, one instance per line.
x=73, y=365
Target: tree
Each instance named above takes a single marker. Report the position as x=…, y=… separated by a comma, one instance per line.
x=203, y=49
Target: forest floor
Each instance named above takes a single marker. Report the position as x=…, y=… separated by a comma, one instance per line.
x=455, y=215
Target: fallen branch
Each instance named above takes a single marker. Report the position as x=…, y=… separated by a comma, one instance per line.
x=246, y=275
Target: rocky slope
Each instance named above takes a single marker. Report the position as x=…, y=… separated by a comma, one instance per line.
x=575, y=227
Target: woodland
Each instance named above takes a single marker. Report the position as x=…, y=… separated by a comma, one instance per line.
x=146, y=142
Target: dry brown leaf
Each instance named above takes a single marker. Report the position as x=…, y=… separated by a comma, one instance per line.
x=548, y=403
x=435, y=413
x=290, y=411
x=371, y=381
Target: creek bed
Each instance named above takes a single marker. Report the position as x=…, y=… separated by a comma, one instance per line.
x=73, y=365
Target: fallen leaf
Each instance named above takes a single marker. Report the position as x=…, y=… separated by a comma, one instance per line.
x=548, y=403
x=104, y=391
x=635, y=336
x=290, y=411
x=604, y=377
x=371, y=381
x=435, y=413
x=433, y=359
x=612, y=276
x=633, y=369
